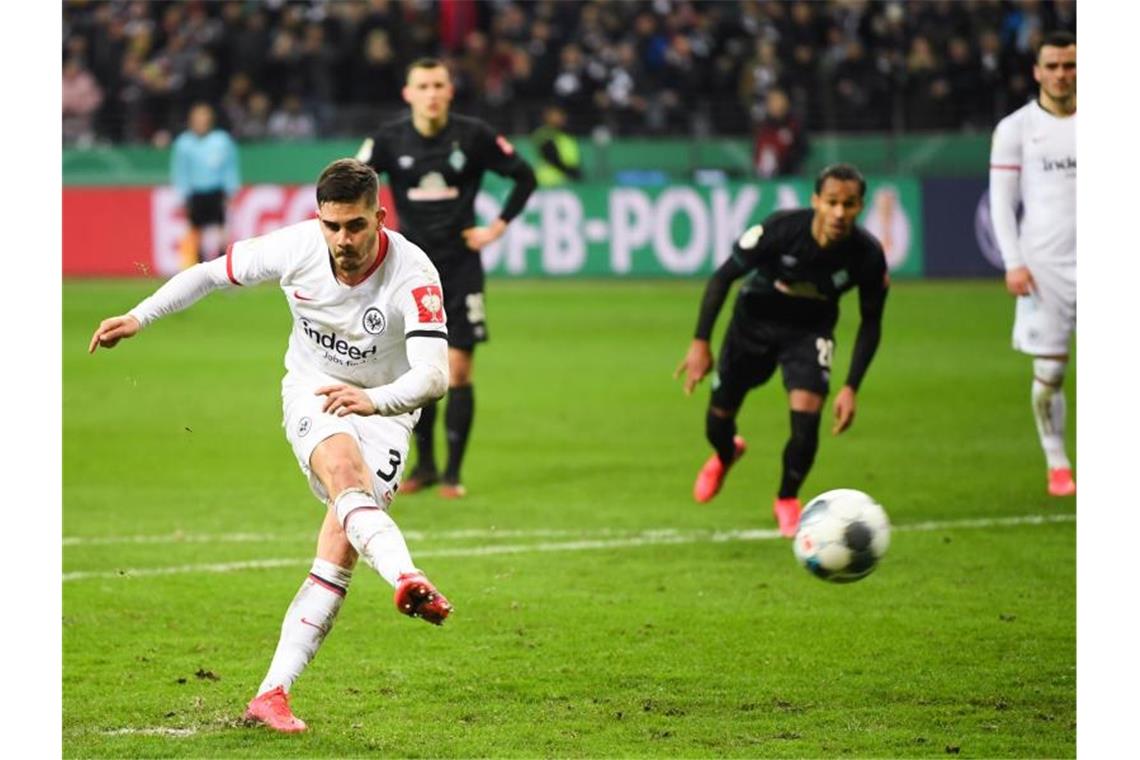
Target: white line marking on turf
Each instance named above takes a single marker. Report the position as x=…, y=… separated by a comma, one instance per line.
x=155, y=731
x=210, y=538
x=660, y=537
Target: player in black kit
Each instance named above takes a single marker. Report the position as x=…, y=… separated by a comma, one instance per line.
x=798, y=263
x=435, y=163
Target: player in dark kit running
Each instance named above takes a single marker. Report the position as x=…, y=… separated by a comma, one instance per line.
x=435, y=163
x=798, y=264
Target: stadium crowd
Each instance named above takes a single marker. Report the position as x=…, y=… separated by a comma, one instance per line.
x=317, y=68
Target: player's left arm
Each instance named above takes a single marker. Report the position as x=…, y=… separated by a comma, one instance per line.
x=502, y=158
x=428, y=373
x=872, y=301
x=425, y=381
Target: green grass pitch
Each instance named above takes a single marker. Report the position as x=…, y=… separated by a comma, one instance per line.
x=599, y=611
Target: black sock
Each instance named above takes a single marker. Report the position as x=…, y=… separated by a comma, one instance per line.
x=457, y=420
x=425, y=451
x=720, y=432
x=799, y=453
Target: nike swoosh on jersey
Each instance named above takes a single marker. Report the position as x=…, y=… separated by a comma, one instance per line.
x=299, y=297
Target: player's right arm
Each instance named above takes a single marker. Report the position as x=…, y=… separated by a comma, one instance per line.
x=246, y=262
x=1005, y=195
x=698, y=359
x=176, y=294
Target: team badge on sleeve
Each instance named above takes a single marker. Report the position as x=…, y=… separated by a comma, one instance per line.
x=429, y=300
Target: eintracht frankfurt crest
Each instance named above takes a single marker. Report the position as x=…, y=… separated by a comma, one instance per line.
x=374, y=322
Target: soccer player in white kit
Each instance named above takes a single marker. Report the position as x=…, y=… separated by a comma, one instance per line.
x=1033, y=161
x=368, y=348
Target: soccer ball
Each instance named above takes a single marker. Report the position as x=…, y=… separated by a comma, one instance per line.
x=842, y=535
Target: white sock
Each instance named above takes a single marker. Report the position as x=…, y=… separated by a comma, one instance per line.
x=307, y=621
x=1049, y=409
x=373, y=534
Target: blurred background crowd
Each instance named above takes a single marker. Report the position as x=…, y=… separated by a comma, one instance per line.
x=285, y=70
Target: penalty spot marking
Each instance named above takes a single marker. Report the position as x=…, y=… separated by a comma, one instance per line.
x=645, y=538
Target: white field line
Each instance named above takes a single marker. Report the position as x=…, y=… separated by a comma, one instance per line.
x=155, y=731
x=645, y=538
x=223, y=538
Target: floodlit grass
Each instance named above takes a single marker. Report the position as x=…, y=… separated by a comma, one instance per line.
x=596, y=614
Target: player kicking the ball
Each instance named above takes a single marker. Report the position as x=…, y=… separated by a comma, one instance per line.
x=1033, y=161
x=798, y=264
x=368, y=348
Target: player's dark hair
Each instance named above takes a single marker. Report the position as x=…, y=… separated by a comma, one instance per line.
x=844, y=172
x=423, y=63
x=1061, y=39
x=347, y=180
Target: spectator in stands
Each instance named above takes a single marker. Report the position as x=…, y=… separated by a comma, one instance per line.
x=204, y=170
x=574, y=90
x=623, y=102
x=291, y=121
x=964, y=80
x=82, y=97
x=844, y=64
x=255, y=124
x=927, y=91
x=780, y=145
x=235, y=103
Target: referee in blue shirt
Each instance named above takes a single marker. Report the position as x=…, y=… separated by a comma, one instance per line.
x=204, y=171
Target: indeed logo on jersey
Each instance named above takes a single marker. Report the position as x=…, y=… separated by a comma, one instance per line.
x=339, y=345
x=1058, y=164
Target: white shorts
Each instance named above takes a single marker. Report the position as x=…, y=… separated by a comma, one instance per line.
x=1044, y=322
x=382, y=440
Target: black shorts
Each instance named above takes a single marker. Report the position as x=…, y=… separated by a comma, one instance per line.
x=750, y=355
x=205, y=209
x=462, y=279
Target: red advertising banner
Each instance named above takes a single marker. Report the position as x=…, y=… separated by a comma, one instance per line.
x=137, y=231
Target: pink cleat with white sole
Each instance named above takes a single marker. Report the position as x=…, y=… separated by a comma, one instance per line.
x=711, y=477
x=1061, y=482
x=787, y=512
x=272, y=709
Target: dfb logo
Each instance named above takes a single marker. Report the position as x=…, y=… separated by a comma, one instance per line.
x=429, y=301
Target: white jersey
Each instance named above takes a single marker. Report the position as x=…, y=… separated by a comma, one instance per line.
x=1040, y=149
x=347, y=333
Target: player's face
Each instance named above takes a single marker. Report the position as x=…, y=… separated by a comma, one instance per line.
x=837, y=205
x=351, y=231
x=429, y=92
x=1056, y=71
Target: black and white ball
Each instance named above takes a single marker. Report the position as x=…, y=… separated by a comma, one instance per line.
x=842, y=535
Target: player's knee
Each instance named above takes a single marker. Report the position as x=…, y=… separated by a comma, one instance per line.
x=343, y=473
x=461, y=369
x=1050, y=371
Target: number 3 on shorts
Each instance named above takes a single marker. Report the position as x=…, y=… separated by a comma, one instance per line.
x=825, y=348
